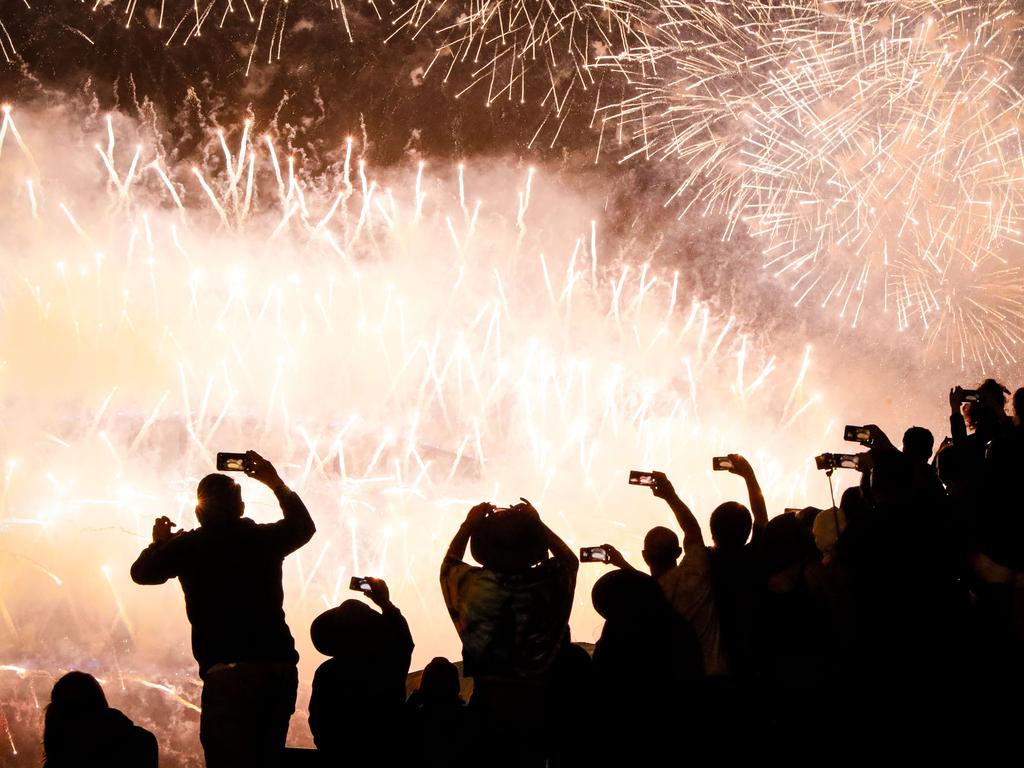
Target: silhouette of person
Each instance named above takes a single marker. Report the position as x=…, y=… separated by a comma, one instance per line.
x=918, y=445
x=571, y=680
x=713, y=587
x=80, y=730
x=647, y=664
x=437, y=717
x=230, y=572
x=359, y=693
x=512, y=616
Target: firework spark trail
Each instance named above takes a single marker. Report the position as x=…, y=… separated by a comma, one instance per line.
x=400, y=351
x=873, y=148
x=536, y=52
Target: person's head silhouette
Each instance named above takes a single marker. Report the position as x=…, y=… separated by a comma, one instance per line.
x=731, y=524
x=1018, y=406
x=661, y=550
x=918, y=444
x=218, y=501
x=439, y=684
x=77, y=704
x=78, y=692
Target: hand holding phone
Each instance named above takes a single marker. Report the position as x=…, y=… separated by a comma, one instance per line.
x=593, y=555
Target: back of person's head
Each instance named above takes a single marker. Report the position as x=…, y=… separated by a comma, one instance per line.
x=75, y=700
x=952, y=466
x=439, y=683
x=918, y=444
x=218, y=501
x=808, y=515
x=852, y=503
x=892, y=477
x=351, y=631
x=661, y=548
x=731, y=524
x=79, y=692
x=509, y=540
x=993, y=395
x=828, y=526
x=786, y=543
x=628, y=595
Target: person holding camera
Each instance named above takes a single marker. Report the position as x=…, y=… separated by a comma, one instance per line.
x=714, y=587
x=512, y=615
x=359, y=693
x=230, y=572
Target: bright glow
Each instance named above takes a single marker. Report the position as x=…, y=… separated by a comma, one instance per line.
x=398, y=354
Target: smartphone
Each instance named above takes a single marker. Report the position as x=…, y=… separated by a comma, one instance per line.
x=231, y=462
x=636, y=477
x=360, y=584
x=860, y=435
x=971, y=395
x=593, y=555
x=837, y=461
x=720, y=463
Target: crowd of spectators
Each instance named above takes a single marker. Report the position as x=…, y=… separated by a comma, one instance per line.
x=892, y=621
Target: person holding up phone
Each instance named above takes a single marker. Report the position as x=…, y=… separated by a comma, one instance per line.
x=359, y=693
x=512, y=616
x=230, y=572
x=714, y=587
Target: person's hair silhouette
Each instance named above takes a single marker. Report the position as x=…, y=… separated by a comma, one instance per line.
x=81, y=730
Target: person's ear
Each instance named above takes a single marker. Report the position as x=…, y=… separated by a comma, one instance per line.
x=643, y=554
x=199, y=514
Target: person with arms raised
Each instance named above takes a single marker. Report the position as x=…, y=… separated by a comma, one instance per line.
x=230, y=572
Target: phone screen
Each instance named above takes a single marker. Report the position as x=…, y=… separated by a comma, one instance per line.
x=637, y=477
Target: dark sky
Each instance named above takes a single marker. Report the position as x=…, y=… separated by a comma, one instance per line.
x=321, y=87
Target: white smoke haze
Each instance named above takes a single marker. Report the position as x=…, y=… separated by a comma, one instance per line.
x=399, y=349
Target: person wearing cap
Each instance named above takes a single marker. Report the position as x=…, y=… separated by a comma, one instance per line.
x=230, y=572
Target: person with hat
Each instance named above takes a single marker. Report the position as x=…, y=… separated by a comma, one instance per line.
x=230, y=572
x=358, y=694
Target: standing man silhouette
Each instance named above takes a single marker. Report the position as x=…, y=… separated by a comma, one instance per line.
x=230, y=572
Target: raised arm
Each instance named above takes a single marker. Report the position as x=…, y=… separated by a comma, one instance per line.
x=758, y=509
x=393, y=618
x=457, y=549
x=692, y=535
x=297, y=527
x=957, y=425
x=161, y=560
x=559, y=549
x=616, y=558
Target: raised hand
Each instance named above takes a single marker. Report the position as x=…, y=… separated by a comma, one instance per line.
x=379, y=592
x=615, y=557
x=740, y=466
x=162, y=529
x=662, y=487
x=478, y=513
x=260, y=469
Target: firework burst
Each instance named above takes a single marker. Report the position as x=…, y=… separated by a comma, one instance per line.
x=873, y=148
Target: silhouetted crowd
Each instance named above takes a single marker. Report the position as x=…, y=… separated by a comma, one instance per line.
x=887, y=627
